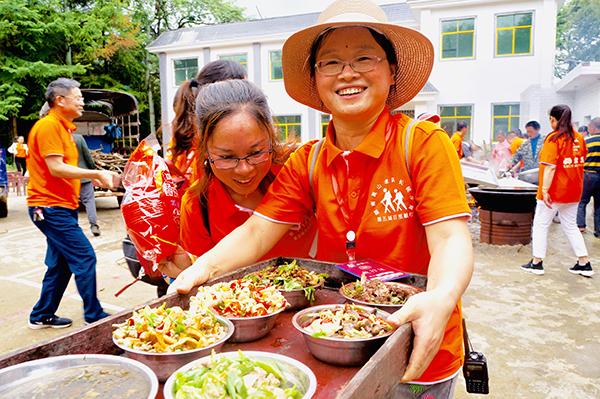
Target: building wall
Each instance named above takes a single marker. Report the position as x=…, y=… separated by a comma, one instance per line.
x=480, y=82
x=586, y=104
x=489, y=79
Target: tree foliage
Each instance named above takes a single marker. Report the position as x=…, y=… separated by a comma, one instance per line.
x=578, y=34
x=101, y=43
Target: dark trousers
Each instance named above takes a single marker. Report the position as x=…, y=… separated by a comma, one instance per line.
x=591, y=189
x=69, y=252
x=21, y=164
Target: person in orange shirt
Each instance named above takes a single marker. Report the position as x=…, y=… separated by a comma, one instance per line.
x=52, y=198
x=515, y=142
x=561, y=184
x=240, y=155
x=395, y=197
x=458, y=136
x=182, y=152
x=19, y=150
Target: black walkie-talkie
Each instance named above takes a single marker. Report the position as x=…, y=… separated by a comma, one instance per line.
x=475, y=367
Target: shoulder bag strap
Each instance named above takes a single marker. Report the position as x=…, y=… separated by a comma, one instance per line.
x=312, y=162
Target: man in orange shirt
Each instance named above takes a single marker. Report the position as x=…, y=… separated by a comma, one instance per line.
x=458, y=136
x=52, y=197
x=19, y=150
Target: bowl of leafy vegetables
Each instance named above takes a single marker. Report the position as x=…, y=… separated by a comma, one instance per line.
x=248, y=374
x=297, y=284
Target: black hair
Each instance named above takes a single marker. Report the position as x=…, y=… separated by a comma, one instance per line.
x=562, y=114
x=461, y=125
x=533, y=124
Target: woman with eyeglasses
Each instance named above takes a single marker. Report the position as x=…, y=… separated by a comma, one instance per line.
x=239, y=156
x=384, y=187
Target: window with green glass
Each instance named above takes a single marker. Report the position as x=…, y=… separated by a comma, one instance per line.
x=325, y=118
x=289, y=126
x=458, y=38
x=185, y=69
x=276, y=71
x=505, y=118
x=241, y=58
x=514, y=33
x=452, y=114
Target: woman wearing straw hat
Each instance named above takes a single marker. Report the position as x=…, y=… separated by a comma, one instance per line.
x=380, y=189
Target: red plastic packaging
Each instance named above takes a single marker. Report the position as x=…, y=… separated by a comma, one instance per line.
x=150, y=205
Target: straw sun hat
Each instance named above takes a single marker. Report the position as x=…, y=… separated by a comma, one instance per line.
x=414, y=52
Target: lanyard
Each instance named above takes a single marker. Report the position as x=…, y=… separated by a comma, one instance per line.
x=352, y=219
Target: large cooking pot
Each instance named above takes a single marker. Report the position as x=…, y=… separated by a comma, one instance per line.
x=501, y=199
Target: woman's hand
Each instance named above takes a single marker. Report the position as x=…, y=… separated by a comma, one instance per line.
x=546, y=198
x=191, y=277
x=173, y=265
x=428, y=312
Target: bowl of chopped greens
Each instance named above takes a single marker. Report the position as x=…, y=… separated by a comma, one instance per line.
x=240, y=374
x=388, y=296
x=297, y=284
x=344, y=335
x=164, y=338
x=252, y=307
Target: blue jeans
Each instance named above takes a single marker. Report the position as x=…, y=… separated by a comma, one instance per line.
x=591, y=189
x=69, y=252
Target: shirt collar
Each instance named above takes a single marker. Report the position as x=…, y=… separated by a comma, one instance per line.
x=373, y=144
x=67, y=124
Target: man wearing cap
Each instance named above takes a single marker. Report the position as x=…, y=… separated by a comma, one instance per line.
x=384, y=187
x=52, y=197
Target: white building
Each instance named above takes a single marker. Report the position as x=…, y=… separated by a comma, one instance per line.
x=494, y=60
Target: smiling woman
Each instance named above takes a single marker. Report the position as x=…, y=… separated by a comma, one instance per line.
x=239, y=156
x=383, y=186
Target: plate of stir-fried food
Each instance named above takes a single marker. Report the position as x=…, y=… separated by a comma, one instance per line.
x=297, y=284
x=162, y=329
x=252, y=307
x=388, y=296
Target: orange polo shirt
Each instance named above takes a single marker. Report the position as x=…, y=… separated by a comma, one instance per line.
x=516, y=144
x=51, y=135
x=457, y=142
x=568, y=157
x=388, y=206
x=21, y=152
x=224, y=215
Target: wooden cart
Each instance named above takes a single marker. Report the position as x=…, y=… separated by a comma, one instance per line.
x=373, y=380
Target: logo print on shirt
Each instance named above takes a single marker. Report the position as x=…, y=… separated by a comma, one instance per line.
x=392, y=200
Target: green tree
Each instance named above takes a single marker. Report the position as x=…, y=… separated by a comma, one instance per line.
x=578, y=34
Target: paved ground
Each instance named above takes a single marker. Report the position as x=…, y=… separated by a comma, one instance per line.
x=541, y=334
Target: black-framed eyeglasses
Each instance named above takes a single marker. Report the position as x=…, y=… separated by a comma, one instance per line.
x=230, y=163
x=363, y=63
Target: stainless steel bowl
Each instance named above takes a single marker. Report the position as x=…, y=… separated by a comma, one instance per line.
x=163, y=364
x=296, y=299
x=339, y=351
x=31, y=374
x=252, y=328
x=381, y=306
x=293, y=371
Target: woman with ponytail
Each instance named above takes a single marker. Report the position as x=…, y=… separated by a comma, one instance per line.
x=181, y=155
x=559, y=190
x=239, y=155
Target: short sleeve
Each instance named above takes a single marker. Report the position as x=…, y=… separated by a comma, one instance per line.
x=436, y=176
x=49, y=140
x=193, y=236
x=549, y=152
x=289, y=198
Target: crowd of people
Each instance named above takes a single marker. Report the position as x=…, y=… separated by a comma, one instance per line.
x=246, y=196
